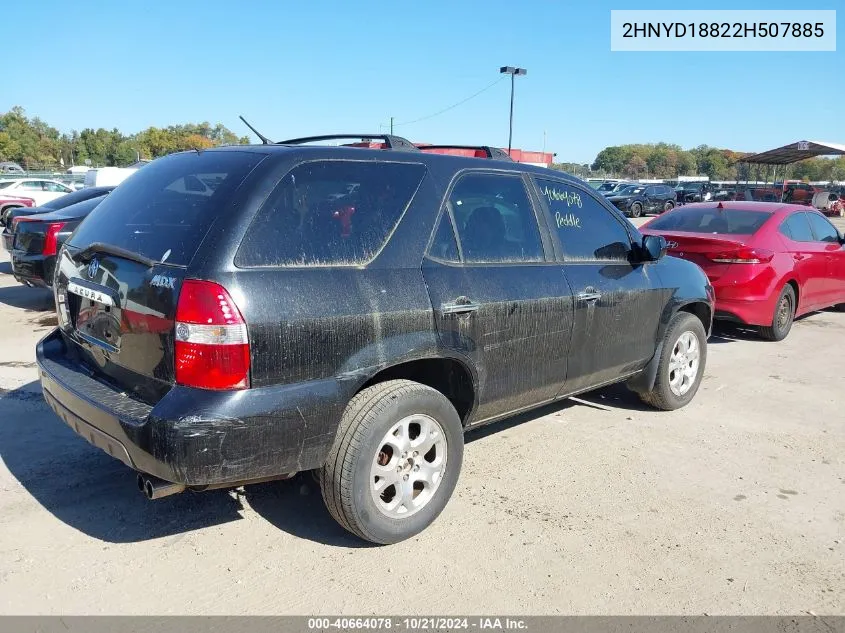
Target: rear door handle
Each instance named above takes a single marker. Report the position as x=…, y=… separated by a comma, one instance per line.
x=589, y=295
x=459, y=308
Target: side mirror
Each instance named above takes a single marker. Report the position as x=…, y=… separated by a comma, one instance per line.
x=654, y=247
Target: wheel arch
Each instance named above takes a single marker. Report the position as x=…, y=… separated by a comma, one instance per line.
x=450, y=376
x=644, y=381
x=796, y=289
x=700, y=309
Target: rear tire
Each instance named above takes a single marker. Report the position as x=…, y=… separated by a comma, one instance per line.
x=783, y=317
x=636, y=210
x=681, y=365
x=668, y=206
x=395, y=461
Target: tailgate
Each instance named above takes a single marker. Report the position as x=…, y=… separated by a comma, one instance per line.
x=117, y=313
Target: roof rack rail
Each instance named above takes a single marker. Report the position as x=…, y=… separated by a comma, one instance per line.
x=390, y=141
x=490, y=152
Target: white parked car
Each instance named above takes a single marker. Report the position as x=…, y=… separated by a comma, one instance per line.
x=38, y=189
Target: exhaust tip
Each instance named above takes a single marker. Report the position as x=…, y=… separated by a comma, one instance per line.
x=155, y=488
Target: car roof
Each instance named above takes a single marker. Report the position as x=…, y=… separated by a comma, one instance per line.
x=744, y=205
x=363, y=153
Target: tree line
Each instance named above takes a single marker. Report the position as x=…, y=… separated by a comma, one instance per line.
x=667, y=161
x=36, y=145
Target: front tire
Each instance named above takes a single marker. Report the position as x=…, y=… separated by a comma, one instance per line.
x=636, y=210
x=783, y=317
x=395, y=461
x=681, y=364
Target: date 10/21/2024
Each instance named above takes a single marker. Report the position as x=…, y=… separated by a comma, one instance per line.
x=571, y=199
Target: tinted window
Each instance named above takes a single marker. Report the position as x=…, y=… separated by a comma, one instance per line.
x=443, y=246
x=8, y=183
x=586, y=230
x=822, y=229
x=32, y=185
x=711, y=220
x=168, y=207
x=651, y=191
x=796, y=228
x=496, y=222
x=55, y=187
x=330, y=213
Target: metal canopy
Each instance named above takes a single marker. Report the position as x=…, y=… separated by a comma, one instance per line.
x=794, y=152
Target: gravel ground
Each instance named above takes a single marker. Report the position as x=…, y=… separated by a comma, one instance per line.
x=733, y=505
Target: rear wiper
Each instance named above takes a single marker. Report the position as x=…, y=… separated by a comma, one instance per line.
x=109, y=249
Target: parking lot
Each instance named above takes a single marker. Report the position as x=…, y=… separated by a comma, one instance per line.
x=732, y=505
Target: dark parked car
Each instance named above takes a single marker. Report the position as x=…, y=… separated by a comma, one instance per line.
x=634, y=200
x=694, y=192
x=48, y=207
x=609, y=186
x=36, y=239
x=8, y=204
x=353, y=311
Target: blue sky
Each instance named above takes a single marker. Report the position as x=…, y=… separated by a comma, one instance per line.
x=317, y=67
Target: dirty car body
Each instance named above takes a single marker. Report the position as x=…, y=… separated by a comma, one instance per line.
x=343, y=267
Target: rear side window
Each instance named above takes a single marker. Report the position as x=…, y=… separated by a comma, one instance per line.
x=330, y=213
x=443, y=246
x=711, y=220
x=822, y=229
x=164, y=210
x=796, y=228
x=495, y=219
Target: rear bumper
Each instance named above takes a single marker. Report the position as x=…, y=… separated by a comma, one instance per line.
x=193, y=436
x=33, y=270
x=748, y=312
x=750, y=300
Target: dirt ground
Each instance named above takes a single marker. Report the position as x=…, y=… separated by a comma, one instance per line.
x=733, y=505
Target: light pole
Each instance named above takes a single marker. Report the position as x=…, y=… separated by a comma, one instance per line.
x=513, y=72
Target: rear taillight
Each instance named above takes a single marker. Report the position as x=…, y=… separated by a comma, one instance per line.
x=15, y=222
x=51, y=238
x=212, y=346
x=744, y=256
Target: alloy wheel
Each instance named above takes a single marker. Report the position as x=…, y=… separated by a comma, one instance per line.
x=408, y=466
x=683, y=363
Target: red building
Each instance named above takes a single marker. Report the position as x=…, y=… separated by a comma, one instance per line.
x=541, y=159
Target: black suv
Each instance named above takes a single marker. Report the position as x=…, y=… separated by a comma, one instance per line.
x=240, y=314
x=694, y=192
x=634, y=200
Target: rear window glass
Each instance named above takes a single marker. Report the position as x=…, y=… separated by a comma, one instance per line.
x=711, y=220
x=164, y=210
x=330, y=213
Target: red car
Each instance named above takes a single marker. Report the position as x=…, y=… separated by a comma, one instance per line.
x=768, y=262
x=7, y=203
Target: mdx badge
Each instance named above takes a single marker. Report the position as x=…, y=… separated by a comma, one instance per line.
x=163, y=281
x=93, y=267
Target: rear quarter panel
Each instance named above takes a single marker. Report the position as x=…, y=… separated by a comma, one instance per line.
x=683, y=283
